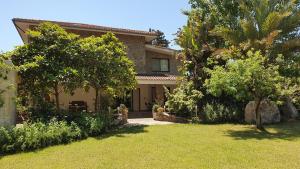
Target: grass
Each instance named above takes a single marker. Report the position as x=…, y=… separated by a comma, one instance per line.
x=173, y=146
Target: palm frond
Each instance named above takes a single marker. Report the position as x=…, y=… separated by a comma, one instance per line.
x=273, y=21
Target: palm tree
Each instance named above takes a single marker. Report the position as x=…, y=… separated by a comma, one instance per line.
x=271, y=26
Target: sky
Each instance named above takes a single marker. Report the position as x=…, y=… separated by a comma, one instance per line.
x=164, y=15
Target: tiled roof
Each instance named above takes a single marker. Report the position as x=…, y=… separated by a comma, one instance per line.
x=87, y=26
x=156, y=77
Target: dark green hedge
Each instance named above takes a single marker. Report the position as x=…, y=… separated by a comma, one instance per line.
x=36, y=135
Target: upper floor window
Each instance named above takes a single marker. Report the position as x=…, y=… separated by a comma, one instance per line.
x=160, y=65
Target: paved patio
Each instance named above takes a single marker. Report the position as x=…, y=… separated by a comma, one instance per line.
x=147, y=121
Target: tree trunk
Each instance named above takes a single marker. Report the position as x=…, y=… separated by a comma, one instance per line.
x=258, y=115
x=56, y=97
x=96, y=100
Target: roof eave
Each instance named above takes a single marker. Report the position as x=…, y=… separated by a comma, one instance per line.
x=166, y=51
x=148, y=36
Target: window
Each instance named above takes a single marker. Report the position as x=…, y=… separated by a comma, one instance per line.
x=160, y=65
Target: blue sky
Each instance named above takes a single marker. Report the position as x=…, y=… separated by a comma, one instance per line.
x=133, y=14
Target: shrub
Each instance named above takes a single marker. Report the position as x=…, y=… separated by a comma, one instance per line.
x=183, y=100
x=5, y=140
x=89, y=124
x=155, y=107
x=219, y=113
x=37, y=135
x=195, y=120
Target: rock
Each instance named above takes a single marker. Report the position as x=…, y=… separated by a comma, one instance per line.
x=163, y=116
x=269, y=112
x=289, y=110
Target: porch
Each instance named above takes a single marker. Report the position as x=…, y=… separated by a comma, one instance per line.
x=150, y=90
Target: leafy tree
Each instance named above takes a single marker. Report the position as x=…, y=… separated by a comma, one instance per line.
x=220, y=30
x=247, y=79
x=160, y=40
x=55, y=52
x=264, y=25
x=106, y=65
x=269, y=26
x=194, y=40
x=199, y=48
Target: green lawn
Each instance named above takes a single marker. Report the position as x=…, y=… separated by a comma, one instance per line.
x=173, y=146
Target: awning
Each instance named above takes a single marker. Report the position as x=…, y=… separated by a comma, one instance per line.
x=163, y=79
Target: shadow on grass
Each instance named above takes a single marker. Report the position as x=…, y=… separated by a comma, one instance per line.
x=123, y=131
x=284, y=131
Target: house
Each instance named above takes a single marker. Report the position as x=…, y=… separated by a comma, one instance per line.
x=155, y=66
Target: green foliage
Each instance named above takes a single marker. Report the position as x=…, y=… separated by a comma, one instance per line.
x=56, y=54
x=91, y=125
x=269, y=26
x=183, y=100
x=5, y=140
x=195, y=120
x=246, y=79
x=36, y=135
x=218, y=43
x=219, y=113
x=161, y=40
x=261, y=23
x=33, y=136
x=197, y=48
x=106, y=65
x=63, y=62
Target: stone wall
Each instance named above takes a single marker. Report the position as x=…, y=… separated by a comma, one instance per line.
x=8, y=111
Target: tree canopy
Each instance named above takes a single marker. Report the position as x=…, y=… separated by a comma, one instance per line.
x=218, y=37
x=57, y=54
x=64, y=62
x=106, y=65
x=247, y=79
x=161, y=40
